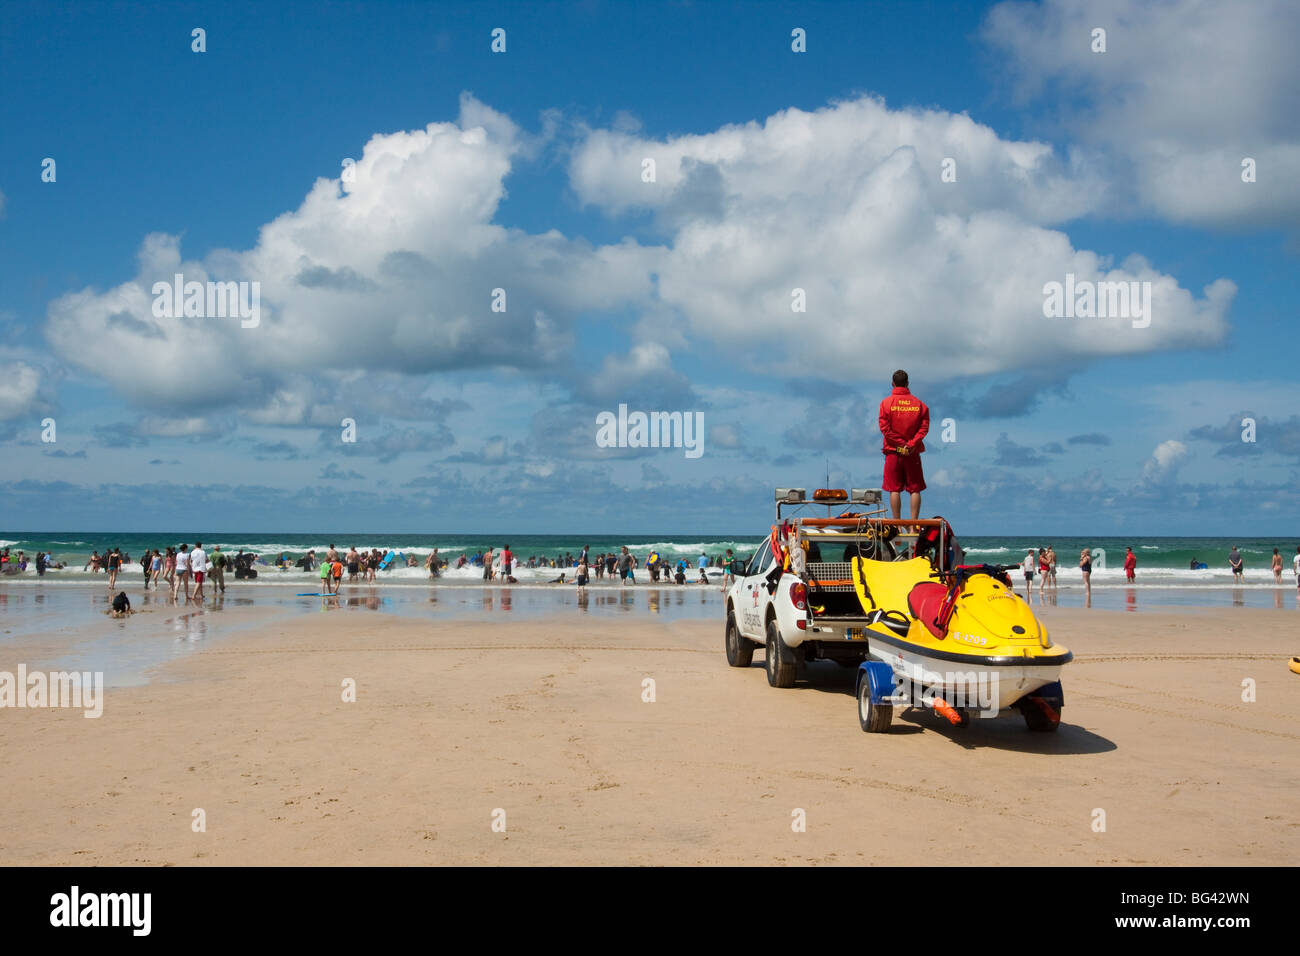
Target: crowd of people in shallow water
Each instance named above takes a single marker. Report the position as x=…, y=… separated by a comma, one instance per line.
x=186, y=570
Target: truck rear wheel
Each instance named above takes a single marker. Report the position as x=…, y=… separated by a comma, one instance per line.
x=740, y=649
x=782, y=660
x=873, y=718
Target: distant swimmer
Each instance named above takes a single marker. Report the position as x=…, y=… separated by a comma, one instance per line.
x=1277, y=567
x=559, y=580
x=904, y=421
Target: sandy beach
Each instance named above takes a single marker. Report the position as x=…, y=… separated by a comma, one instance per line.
x=545, y=720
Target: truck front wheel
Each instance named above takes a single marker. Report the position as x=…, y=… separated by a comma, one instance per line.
x=782, y=660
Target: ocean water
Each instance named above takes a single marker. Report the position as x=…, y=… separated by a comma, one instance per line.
x=1163, y=562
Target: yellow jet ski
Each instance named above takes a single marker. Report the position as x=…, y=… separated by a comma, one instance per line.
x=959, y=641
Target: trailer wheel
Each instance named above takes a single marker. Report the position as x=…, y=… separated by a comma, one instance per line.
x=1039, y=716
x=740, y=649
x=873, y=718
x=782, y=660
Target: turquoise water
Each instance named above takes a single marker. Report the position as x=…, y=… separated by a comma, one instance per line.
x=1162, y=561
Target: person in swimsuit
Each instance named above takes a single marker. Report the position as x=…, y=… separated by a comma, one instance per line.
x=1235, y=562
x=1027, y=566
x=1277, y=567
x=114, y=566
x=354, y=564
x=182, y=572
x=1085, y=565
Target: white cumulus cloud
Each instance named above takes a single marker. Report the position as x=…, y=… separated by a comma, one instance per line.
x=393, y=271
x=897, y=267
x=1185, y=90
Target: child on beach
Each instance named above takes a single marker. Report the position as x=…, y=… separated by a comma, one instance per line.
x=336, y=572
x=326, y=572
x=121, y=605
x=582, y=571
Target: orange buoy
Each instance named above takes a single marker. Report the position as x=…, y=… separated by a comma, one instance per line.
x=942, y=707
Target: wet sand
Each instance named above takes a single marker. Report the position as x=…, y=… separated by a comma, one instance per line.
x=545, y=720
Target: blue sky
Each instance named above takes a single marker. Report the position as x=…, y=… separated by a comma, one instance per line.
x=522, y=170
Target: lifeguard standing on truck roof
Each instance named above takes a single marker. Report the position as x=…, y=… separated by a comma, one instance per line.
x=904, y=422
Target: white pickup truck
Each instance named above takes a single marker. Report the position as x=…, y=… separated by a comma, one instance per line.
x=808, y=611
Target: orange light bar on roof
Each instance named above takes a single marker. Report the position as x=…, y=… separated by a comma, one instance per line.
x=830, y=494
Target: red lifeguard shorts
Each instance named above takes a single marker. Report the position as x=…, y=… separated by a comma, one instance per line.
x=903, y=473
